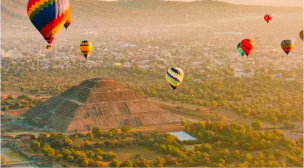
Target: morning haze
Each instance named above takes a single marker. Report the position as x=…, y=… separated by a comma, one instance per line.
x=117, y=109
x=294, y=3
x=290, y=3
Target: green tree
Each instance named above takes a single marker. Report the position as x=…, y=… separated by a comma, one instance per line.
x=159, y=162
x=5, y=108
x=10, y=97
x=90, y=136
x=114, y=131
x=48, y=151
x=125, y=129
x=257, y=125
x=97, y=132
x=84, y=162
x=70, y=158
x=126, y=163
x=66, y=153
x=58, y=156
x=114, y=163
x=142, y=163
x=36, y=145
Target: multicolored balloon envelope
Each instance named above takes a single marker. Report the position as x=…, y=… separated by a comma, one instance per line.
x=247, y=45
x=174, y=77
x=240, y=49
x=68, y=23
x=86, y=47
x=287, y=46
x=301, y=34
x=48, y=16
x=267, y=18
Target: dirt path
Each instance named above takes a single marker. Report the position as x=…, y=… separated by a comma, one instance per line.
x=15, y=94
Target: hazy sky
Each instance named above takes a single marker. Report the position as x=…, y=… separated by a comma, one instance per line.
x=297, y=3
x=268, y=2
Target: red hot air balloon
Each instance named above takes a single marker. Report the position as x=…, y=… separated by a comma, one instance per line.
x=247, y=46
x=267, y=18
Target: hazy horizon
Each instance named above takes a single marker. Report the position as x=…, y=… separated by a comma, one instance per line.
x=296, y=3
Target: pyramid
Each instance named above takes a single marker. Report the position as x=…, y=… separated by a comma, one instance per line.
x=98, y=103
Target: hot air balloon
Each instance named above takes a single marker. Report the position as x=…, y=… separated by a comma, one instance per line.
x=240, y=49
x=247, y=45
x=48, y=16
x=86, y=48
x=287, y=46
x=267, y=18
x=301, y=34
x=174, y=77
x=68, y=23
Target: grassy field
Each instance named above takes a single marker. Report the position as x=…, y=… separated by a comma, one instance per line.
x=135, y=152
x=10, y=156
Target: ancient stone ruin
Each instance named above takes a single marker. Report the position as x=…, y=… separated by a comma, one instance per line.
x=98, y=103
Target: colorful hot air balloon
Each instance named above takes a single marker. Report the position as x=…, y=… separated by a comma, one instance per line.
x=240, y=49
x=68, y=23
x=267, y=18
x=247, y=45
x=174, y=77
x=287, y=46
x=86, y=48
x=48, y=16
x=301, y=34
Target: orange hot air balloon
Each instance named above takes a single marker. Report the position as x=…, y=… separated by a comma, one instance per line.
x=267, y=18
x=247, y=45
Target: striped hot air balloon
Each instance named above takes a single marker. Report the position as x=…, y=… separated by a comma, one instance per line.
x=48, y=16
x=174, y=77
x=240, y=49
x=247, y=45
x=301, y=34
x=287, y=46
x=86, y=47
x=68, y=23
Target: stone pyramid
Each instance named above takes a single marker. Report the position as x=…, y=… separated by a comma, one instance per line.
x=98, y=103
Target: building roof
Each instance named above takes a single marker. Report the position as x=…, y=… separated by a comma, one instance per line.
x=183, y=136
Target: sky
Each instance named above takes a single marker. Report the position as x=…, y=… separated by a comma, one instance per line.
x=295, y=3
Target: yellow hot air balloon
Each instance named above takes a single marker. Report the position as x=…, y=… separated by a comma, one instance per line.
x=86, y=48
x=175, y=77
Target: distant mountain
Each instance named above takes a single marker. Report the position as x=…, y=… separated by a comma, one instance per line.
x=12, y=10
x=142, y=12
x=294, y=3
